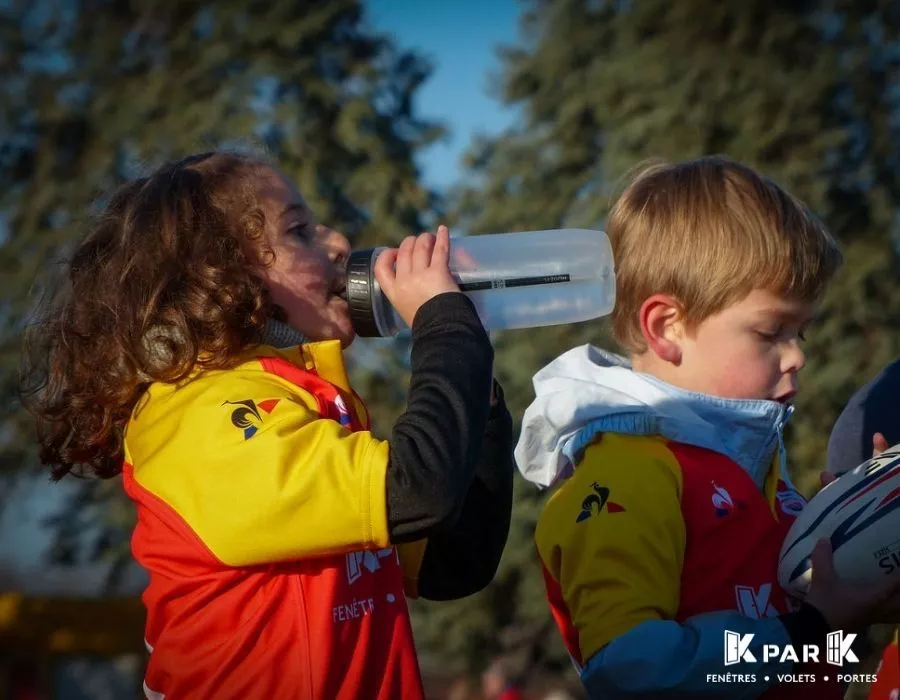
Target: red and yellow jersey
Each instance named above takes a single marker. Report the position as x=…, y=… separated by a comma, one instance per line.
x=648, y=530
x=887, y=683
x=262, y=523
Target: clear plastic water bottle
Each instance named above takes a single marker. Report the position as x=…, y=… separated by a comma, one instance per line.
x=516, y=280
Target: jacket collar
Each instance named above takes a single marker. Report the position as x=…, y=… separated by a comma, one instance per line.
x=587, y=391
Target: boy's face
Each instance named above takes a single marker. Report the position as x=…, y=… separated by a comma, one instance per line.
x=749, y=350
x=307, y=277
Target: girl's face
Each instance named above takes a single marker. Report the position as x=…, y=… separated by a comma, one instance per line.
x=308, y=276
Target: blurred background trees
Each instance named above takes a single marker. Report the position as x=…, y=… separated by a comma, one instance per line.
x=97, y=90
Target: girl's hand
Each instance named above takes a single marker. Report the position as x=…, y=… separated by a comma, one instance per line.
x=416, y=272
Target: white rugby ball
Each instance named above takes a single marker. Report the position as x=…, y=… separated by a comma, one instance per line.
x=860, y=513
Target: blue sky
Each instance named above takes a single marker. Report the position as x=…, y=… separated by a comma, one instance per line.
x=459, y=38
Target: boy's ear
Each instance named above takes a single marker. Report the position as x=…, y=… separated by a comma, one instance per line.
x=662, y=327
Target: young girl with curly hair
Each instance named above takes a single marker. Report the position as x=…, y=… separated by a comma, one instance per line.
x=196, y=349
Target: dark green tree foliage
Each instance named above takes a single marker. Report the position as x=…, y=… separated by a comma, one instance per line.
x=804, y=91
x=96, y=91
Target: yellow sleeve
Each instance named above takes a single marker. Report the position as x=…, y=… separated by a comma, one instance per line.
x=245, y=460
x=612, y=539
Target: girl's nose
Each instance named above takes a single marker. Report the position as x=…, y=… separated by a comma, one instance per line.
x=337, y=245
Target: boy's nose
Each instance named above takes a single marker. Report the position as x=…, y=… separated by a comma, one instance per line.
x=794, y=359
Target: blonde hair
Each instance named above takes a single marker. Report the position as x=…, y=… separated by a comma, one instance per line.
x=708, y=232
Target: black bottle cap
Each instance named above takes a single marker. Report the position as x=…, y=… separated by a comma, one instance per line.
x=360, y=287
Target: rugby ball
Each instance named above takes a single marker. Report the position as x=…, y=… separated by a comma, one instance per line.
x=860, y=513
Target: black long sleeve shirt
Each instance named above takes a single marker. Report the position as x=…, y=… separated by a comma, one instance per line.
x=449, y=478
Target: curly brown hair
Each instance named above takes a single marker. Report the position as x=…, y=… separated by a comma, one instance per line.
x=167, y=280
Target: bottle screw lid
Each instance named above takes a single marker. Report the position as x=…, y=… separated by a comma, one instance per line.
x=361, y=285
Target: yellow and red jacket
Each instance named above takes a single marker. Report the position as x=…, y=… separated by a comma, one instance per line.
x=264, y=532
x=887, y=683
x=664, y=532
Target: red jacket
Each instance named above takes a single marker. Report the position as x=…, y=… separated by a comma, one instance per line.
x=887, y=685
x=262, y=522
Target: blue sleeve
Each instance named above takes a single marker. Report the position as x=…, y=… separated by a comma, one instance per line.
x=662, y=658
x=872, y=409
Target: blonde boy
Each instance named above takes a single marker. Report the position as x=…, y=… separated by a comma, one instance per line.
x=675, y=498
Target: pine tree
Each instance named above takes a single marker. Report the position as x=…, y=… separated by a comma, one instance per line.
x=800, y=90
